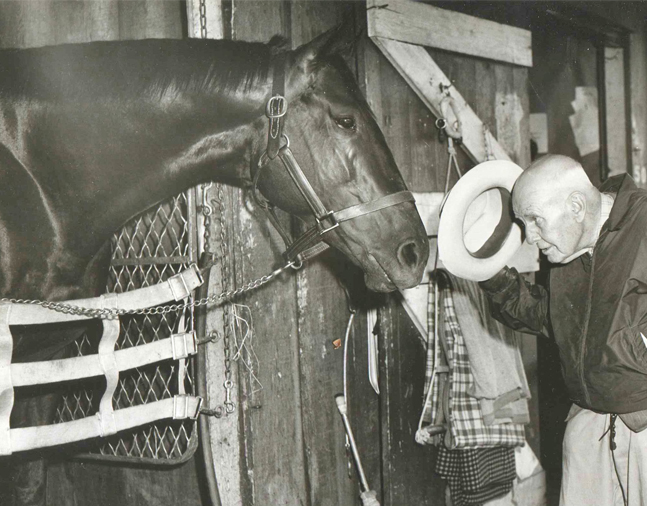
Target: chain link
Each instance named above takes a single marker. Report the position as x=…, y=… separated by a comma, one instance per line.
x=207, y=211
x=203, y=19
x=228, y=384
x=111, y=313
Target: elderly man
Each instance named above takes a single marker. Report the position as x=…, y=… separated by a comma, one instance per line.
x=596, y=304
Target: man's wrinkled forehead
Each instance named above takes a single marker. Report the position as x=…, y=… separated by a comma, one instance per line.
x=528, y=201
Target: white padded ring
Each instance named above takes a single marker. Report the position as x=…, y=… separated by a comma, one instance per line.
x=452, y=250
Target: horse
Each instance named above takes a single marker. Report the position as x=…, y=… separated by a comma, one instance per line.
x=94, y=134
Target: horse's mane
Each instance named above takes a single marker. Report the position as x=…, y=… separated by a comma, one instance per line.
x=129, y=68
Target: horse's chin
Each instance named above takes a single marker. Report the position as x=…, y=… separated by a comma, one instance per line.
x=382, y=276
x=379, y=284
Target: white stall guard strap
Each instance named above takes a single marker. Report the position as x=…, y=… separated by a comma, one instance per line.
x=111, y=372
x=107, y=362
x=6, y=381
x=178, y=407
x=175, y=288
x=176, y=347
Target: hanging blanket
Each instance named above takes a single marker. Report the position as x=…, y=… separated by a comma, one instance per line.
x=467, y=427
x=476, y=476
x=495, y=361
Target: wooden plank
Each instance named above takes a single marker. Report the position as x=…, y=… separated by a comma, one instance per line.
x=273, y=460
x=274, y=454
x=512, y=115
x=26, y=24
x=407, y=466
x=225, y=435
x=150, y=19
x=322, y=319
x=616, y=112
x=425, y=77
x=323, y=315
x=427, y=25
x=260, y=20
x=364, y=402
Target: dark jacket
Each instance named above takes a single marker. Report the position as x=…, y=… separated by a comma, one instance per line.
x=597, y=307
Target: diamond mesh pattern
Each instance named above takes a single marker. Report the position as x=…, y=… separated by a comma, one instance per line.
x=148, y=250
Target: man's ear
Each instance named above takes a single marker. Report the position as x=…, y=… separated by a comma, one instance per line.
x=577, y=205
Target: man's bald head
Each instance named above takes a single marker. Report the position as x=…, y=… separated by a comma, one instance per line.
x=558, y=205
x=555, y=176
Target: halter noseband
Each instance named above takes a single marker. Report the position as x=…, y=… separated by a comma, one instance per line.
x=310, y=243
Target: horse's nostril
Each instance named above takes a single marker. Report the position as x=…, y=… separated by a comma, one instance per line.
x=408, y=254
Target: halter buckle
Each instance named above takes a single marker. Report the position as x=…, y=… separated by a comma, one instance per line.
x=327, y=222
x=276, y=107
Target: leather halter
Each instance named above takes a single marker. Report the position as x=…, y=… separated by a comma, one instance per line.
x=310, y=243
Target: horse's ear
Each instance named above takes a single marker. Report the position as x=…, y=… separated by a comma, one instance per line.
x=278, y=44
x=340, y=40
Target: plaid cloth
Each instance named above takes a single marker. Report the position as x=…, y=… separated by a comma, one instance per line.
x=477, y=476
x=467, y=428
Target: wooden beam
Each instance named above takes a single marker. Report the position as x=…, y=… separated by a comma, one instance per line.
x=425, y=77
x=426, y=25
x=615, y=111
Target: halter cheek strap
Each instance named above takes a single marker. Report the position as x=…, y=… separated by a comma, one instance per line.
x=310, y=242
x=276, y=109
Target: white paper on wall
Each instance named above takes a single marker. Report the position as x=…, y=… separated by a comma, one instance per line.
x=585, y=120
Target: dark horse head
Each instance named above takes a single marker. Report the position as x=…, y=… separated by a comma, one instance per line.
x=335, y=138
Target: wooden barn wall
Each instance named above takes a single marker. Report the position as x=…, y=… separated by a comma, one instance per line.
x=498, y=94
x=285, y=443
x=291, y=432
x=293, y=435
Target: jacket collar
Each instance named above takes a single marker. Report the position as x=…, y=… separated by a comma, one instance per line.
x=623, y=186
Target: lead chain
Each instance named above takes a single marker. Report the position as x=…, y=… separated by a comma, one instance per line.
x=228, y=384
x=111, y=313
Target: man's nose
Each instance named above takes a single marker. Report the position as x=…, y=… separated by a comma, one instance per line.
x=531, y=235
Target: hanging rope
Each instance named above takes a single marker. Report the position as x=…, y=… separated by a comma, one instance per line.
x=452, y=132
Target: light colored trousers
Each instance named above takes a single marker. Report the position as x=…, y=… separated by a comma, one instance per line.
x=591, y=474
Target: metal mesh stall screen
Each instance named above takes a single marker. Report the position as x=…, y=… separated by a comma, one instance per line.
x=148, y=250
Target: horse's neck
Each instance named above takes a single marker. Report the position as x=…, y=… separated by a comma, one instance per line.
x=102, y=157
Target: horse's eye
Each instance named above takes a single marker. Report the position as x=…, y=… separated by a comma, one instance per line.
x=347, y=123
